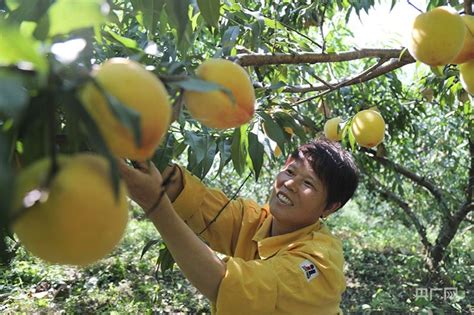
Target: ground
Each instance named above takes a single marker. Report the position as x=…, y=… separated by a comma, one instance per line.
x=383, y=268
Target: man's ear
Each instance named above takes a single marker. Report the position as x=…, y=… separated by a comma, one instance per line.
x=331, y=208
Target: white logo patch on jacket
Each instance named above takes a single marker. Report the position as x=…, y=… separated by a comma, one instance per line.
x=309, y=269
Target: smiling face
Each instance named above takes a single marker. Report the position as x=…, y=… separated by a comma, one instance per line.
x=298, y=198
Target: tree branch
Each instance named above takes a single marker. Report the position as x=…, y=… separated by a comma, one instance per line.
x=312, y=58
x=368, y=74
x=321, y=28
x=397, y=58
x=385, y=193
x=450, y=227
x=468, y=7
x=420, y=180
x=302, y=35
x=253, y=13
x=331, y=86
x=468, y=206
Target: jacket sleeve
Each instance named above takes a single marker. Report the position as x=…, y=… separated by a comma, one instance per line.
x=199, y=207
x=291, y=283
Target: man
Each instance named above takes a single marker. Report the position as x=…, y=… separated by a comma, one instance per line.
x=281, y=258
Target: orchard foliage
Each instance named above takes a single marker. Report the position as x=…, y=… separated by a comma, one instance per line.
x=304, y=73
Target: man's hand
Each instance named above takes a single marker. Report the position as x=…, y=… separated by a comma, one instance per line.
x=143, y=182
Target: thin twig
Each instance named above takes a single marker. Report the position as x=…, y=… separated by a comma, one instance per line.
x=325, y=83
x=321, y=25
x=303, y=35
x=409, y=2
x=374, y=71
x=222, y=209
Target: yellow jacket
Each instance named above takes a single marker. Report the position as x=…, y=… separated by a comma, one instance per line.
x=295, y=273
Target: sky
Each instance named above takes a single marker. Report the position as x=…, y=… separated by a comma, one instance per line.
x=382, y=27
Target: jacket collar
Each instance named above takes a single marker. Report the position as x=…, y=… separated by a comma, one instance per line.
x=268, y=245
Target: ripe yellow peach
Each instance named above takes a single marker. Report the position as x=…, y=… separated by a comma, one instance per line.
x=467, y=51
x=81, y=221
x=138, y=89
x=215, y=109
x=332, y=130
x=437, y=36
x=466, y=76
x=368, y=128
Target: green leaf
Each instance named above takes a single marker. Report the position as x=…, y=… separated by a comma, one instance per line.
x=438, y=71
x=224, y=148
x=6, y=177
x=13, y=95
x=164, y=153
x=198, y=85
x=229, y=39
x=285, y=120
x=165, y=260
x=151, y=10
x=197, y=144
x=35, y=136
x=202, y=153
x=210, y=11
x=124, y=41
x=12, y=4
x=239, y=149
x=177, y=11
x=393, y=4
x=273, y=23
x=203, y=86
x=179, y=148
x=69, y=15
x=76, y=138
x=95, y=137
x=256, y=151
x=184, y=42
x=273, y=130
x=16, y=47
x=149, y=245
x=29, y=10
x=352, y=140
x=208, y=160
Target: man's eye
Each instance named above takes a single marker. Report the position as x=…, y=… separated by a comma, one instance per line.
x=289, y=171
x=309, y=184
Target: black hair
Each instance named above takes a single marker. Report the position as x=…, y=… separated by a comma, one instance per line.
x=334, y=165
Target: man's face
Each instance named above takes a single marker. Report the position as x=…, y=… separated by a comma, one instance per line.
x=298, y=198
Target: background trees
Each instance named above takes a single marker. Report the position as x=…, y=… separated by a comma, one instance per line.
x=304, y=73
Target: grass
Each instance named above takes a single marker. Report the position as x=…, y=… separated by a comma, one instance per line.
x=121, y=283
x=384, y=266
